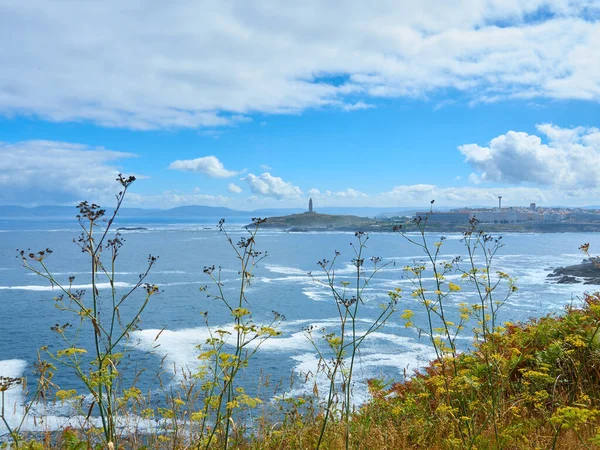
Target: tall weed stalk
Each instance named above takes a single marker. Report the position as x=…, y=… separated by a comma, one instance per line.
x=223, y=394
x=97, y=314
x=337, y=359
x=443, y=327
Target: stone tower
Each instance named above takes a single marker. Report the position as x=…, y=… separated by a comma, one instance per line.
x=310, y=206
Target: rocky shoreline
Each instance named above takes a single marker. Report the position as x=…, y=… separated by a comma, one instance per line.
x=587, y=272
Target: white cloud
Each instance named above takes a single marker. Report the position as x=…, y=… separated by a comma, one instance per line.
x=570, y=159
x=265, y=167
x=349, y=193
x=193, y=64
x=208, y=165
x=271, y=186
x=42, y=172
x=234, y=188
x=356, y=106
x=422, y=194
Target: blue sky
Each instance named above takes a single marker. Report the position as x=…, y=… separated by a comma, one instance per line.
x=251, y=105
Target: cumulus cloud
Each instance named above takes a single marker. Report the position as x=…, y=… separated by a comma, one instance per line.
x=570, y=159
x=349, y=193
x=234, y=188
x=270, y=186
x=194, y=64
x=356, y=106
x=42, y=172
x=208, y=165
x=422, y=194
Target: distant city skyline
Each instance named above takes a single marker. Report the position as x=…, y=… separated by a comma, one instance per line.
x=251, y=106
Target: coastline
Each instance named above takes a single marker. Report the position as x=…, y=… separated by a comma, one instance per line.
x=388, y=227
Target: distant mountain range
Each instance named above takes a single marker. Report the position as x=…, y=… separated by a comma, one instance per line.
x=20, y=212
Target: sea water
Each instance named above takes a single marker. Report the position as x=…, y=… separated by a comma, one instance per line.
x=173, y=324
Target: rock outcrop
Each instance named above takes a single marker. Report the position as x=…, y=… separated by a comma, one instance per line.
x=587, y=272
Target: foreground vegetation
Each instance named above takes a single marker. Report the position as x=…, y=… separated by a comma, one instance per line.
x=533, y=385
x=548, y=371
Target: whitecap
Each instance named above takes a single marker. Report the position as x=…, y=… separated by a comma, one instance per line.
x=285, y=270
x=117, y=284
x=317, y=295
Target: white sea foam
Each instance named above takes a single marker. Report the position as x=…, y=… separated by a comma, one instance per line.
x=285, y=270
x=407, y=355
x=454, y=237
x=117, y=284
x=154, y=272
x=179, y=283
x=45, y=417
x=293, y=278
x=317, y=295
x=179, y=347
x=40, y=417
x=423, y=257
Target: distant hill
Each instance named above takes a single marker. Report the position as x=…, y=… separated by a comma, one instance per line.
x=38, y=211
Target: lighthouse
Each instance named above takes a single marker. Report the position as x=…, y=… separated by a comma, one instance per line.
x=310, y=206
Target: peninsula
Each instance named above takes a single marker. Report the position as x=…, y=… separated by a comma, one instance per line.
x=312, y=221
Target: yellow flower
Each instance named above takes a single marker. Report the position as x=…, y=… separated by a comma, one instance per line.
x=453, y=287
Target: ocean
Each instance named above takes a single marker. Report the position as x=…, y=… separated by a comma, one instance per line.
x=281, y=284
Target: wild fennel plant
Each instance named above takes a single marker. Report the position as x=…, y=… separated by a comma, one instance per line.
x=443, y=330
x=338, y=358
x=100, y=314
x=223, y=396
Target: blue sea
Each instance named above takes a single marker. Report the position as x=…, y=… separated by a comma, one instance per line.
x=281, y=284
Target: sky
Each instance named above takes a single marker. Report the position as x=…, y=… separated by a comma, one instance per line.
x=264, y=104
